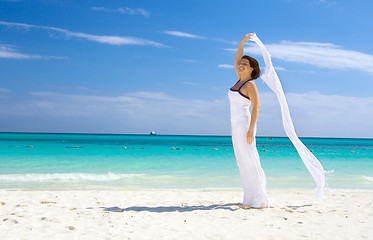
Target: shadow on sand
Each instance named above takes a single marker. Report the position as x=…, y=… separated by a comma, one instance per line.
x=299, y=206
x=174, y=208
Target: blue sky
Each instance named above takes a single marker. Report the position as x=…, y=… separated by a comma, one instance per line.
x=138, y=66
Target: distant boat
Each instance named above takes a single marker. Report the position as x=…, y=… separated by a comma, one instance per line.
x=152, y=133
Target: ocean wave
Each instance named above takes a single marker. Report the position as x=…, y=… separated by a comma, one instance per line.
x=356, y=178
x=370, y=179
x=40, y=177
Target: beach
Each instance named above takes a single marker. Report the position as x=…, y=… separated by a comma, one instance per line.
x=100, y=186
x=182, y=214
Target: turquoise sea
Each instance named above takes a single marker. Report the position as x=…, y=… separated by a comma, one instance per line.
x=107, y=161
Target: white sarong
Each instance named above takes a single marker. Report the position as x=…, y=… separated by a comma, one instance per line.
x=271, y=79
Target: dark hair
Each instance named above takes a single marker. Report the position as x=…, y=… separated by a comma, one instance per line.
x=254, y=64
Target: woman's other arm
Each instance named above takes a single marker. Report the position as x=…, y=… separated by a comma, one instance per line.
x=251, y=91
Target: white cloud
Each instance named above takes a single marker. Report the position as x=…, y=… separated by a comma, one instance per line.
x=280, y=68
x=152, y=95
x=112, y=40
x=125, y=10
x=313, y=114
x=187, y=60
x=194, y=36
x=8, y=51
x=131, y=112
x=76, y=88
x=183, y=34
x=4, y=90
x=225, y=41
x=4, y=93
x=225, y=66
x=316, y=114
x=325, y=2
x=324, y=55
x=190, y=60
x=103, y=9
x=188, y=83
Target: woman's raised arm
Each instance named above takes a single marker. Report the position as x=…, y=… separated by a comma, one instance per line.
x=239, y=53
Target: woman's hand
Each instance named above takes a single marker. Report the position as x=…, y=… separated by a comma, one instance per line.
x=250, y=137
x=247, y=37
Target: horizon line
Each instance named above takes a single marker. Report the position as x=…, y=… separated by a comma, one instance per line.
x=157, y=134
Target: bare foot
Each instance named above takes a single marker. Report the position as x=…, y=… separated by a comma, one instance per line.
x=260, y=207
x=249, y=206
x=244, y=206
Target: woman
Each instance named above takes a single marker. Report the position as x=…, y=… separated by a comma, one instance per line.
x=243, y=94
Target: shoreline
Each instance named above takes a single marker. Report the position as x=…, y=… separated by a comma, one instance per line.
x=186, y=189
x=182, y=214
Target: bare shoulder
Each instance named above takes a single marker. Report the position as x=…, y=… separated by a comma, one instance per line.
x=250, y=84
x=249, y=87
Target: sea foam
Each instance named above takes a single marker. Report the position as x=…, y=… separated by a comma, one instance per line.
x=370, y=179
x=39, y=177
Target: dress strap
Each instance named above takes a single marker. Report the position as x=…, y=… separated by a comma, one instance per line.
x=239, y=89
x=241, y=85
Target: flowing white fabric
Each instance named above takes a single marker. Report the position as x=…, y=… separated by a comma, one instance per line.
x=247, y=157
x=271, y=79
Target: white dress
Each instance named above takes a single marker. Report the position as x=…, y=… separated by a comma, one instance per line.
x=247, y=157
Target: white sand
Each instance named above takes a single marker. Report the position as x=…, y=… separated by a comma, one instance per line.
x=179, y=214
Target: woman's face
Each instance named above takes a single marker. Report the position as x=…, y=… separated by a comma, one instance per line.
x=244, y=67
